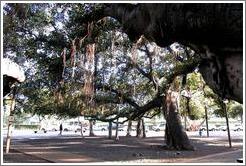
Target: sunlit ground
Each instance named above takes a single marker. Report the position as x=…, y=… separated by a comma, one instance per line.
x=21, y=134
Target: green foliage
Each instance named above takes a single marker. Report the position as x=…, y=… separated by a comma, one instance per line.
x=37, y=33
x=236, y=110
x=212, y=101
x=219, y=112
x=196, y=102
x=194, y=81
x=197, y=110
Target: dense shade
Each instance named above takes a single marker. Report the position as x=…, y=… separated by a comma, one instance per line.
x=215, y=31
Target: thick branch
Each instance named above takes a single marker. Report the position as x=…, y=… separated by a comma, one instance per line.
x=181, y=69
x=121, y=98
x=156, y=102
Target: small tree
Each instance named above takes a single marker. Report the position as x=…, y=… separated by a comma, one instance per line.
x=236, y=111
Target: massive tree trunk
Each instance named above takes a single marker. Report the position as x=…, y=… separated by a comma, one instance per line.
x=175, y=134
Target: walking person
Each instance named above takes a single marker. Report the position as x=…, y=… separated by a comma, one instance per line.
x=200, y=132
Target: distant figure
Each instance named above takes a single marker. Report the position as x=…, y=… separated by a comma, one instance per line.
x=61, y=128
x=200, y=132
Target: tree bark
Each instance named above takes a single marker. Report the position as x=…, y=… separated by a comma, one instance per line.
x=91, y=128
x=175, y=135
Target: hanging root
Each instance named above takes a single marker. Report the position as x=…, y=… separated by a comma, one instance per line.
x=89, y=73
x=63, y=55
x=135, y=46
x=73, y=52
x=90, y=28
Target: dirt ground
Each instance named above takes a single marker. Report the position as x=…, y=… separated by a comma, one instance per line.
x=102, y=149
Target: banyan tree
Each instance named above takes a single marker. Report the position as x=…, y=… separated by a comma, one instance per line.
x=213, y=30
